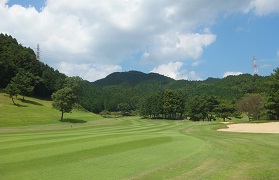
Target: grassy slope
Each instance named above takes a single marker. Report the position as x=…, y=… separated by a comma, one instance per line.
x=132, y=148
x=35, y=112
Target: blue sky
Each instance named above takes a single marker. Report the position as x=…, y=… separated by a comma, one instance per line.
x=181, y=39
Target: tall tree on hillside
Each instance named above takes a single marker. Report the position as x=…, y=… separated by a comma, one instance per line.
x=272, y=104
x=12, y=90
x=75, y=83
x=63, y=100
x=24, y=80
x=21, y=84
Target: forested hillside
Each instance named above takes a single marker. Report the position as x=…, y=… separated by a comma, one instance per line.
x=150, y=95
x=14, y=58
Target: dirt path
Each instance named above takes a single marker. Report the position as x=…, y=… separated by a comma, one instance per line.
x=272, y=127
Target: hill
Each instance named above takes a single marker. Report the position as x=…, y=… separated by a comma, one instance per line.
x=32, y=111
x=133, y=86
x=132, y=78
x=119, y=89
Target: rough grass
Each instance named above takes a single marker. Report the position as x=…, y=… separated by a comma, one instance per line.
x=134, y=148
x=33, y=111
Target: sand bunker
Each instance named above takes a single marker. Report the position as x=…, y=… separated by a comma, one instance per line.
x=272, y=127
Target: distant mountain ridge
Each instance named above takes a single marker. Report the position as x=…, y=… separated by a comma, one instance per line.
x=132, y=78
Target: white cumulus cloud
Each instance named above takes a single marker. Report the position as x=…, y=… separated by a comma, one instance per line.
x=111, y=32
x=180, y=46
x=231, y=73
x=263, y=7
x=174, y=70
x=89, y=72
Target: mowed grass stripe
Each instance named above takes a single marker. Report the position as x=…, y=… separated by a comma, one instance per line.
x=41, y=142
x=56, y=135
x=35, y=145
x=45, y=141
x=56, y=149
x=69, y=157
x=137, y=148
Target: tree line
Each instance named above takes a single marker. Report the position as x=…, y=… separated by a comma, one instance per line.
x=150, y=95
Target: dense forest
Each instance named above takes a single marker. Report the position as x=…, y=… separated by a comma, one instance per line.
x=149, y=95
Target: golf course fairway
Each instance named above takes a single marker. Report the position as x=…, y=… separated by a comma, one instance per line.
x=34, y=144
x=134, y=148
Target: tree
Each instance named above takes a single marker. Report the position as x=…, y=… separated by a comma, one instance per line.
x=124, y=108
x=173, y=104
x=24, y=81
x=63, y=100
x=197, y=108
x=12, y=90
x=225, y=111
x=20, y=84
x=251, y=105
x=75, y=83
x=155, y=105
x=272, y=103
x=212, y=103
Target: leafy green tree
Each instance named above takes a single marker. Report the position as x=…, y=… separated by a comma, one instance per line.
x=226, y=110
x=251, y=105
x=124, y=108
x=212, y=104
x=24, y=81
x=272, y=103
x=173, y=104
x=143, y=107
x=20, y=84
x=75, y=83
x=12, y=90
x=197, y=108
x=155, y=105
x=63, y=100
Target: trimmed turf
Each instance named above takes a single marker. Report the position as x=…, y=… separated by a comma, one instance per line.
x=134, y=148
x=139, y=149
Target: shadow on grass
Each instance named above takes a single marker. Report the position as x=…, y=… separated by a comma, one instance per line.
x=20, y=105
x=69, y=120
x=31, y=102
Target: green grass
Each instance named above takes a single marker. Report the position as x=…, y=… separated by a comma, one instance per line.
x=36, y=112
x=133, y=148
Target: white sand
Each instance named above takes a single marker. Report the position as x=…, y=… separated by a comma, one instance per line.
x=272, y=127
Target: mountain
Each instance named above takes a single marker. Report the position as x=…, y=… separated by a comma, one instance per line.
x=133, y=78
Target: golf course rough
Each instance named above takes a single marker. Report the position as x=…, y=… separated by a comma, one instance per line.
x=134, y=148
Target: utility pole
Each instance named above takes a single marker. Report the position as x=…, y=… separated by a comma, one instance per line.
x=255, y=65
x=38, y=52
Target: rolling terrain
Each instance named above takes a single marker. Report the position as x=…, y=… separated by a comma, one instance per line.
x=91, y=147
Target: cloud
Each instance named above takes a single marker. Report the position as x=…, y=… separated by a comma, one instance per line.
x=174, y=70
x=196, y=63
x=180, y=46
x=111, y=32
x=89, y=72
x=263, y=7
x=232, y=74
x=265, y=66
